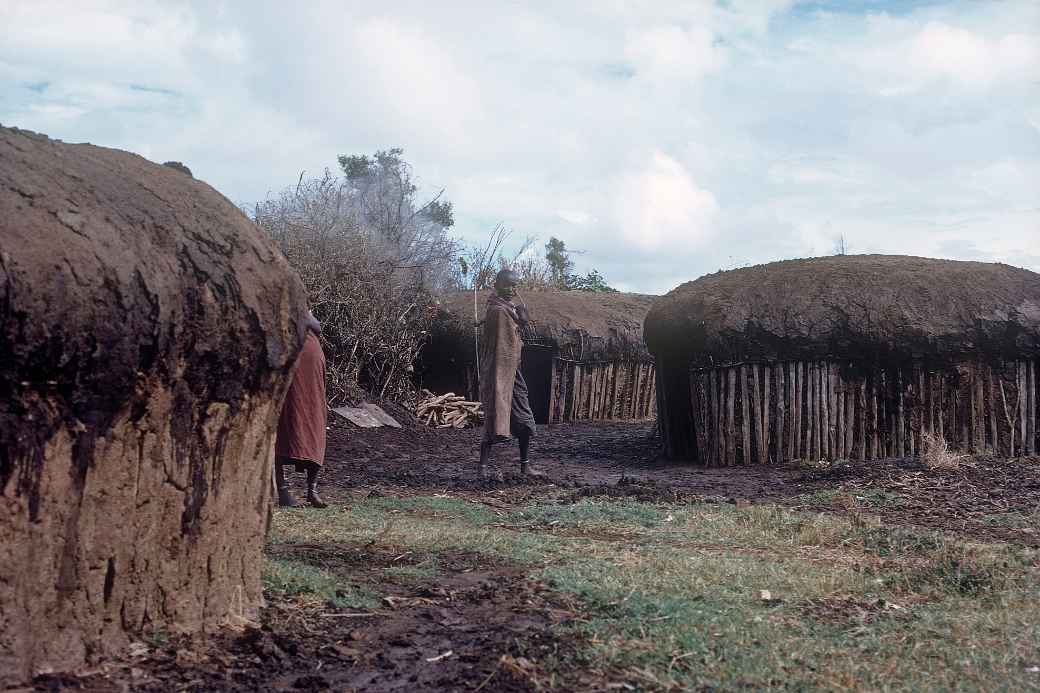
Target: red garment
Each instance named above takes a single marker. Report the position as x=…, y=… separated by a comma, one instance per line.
x=301, y=428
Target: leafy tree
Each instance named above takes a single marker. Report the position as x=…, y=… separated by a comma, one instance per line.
x=560, y=264
x=593, y=281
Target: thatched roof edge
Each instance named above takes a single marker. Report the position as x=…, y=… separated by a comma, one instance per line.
x=866, y=307
x=580, y=325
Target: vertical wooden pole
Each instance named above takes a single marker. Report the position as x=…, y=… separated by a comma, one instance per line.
x=579, y=391
x=642, y=373
x=586, y=387
x=731, y=433
x=701, y=412
x=834, y=395
x=711, y=428
x=992, y=407
x=796, y=412
x=720, y=417
x=755, y=421
x=823, y=418
x=632, y=389
x=648, y=389
x=1023, y=410
x=745, y=421
x=597, y=385
x=929, y=385
x=827, y=438
x=861, y=428
x=900, y=415
x=941, y=406
x=978, y=410
x=813, y=412
x=919, y=407
x=590, y=390
x=1030, y=446
x=874, y=418
x=603, y=391
x=651, y=392
x=965, y=390
x=839, y=415
x=819, y=432
x=781, y=410
x=850, y=418
x=763, y=455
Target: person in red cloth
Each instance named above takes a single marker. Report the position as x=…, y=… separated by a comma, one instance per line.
x=301, y=428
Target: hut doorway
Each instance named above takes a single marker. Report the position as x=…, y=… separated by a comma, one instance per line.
x=536, y=365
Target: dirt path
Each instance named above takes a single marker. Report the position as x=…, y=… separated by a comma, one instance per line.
x=480, y=622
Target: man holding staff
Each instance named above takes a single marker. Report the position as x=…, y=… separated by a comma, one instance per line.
x=503, y=391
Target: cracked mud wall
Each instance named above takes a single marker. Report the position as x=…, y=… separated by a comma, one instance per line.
x=147, y=331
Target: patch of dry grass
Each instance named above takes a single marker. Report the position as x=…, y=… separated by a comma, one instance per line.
x=936, y=454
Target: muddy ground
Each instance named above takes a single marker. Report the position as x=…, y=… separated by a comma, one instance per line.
x=479, y=625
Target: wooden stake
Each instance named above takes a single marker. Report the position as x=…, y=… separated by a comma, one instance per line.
x=823, y=417
x=763, y=455
x=796, y=412
x=731, y=437
x=1030, y=408
x=839, y=417
x=745, y=422
x=812, y=412
x=756, y=415
x=781, y=411
x=901, y=417
x=1023, y=410
x=850, y=419
x=875, y=450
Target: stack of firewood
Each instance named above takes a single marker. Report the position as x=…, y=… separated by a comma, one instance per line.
x=448, y=411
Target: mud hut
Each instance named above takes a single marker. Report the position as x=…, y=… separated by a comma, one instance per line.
x=856, y=357
x=147, y=330
x=583, y=359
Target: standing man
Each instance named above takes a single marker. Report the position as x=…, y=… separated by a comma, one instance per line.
x=503, y=391
x=301, y=428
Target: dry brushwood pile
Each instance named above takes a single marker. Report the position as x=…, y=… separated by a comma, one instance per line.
x=448, y=411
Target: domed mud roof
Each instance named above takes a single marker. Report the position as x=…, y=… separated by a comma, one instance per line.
x=850, y=307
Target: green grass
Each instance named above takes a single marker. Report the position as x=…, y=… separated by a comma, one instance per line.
x=1015, y=520
x=288, y=578
x=672, y=595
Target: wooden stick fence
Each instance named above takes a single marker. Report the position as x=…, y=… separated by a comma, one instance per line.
x=600, y=391
x=763, y=413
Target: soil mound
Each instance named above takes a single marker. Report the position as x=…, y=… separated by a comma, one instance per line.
x=850, y=307
x=146, y=333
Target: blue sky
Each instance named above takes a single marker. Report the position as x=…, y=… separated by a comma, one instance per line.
x=664, y=140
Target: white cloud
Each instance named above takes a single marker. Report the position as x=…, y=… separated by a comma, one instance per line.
x=964, y=56
x=661, y=207
x=663, y=139
x=674, y=53
x=575, y=216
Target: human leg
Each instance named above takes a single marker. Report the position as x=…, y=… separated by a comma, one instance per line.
x=522, y=424
x=285, y=498
x=312, y=486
